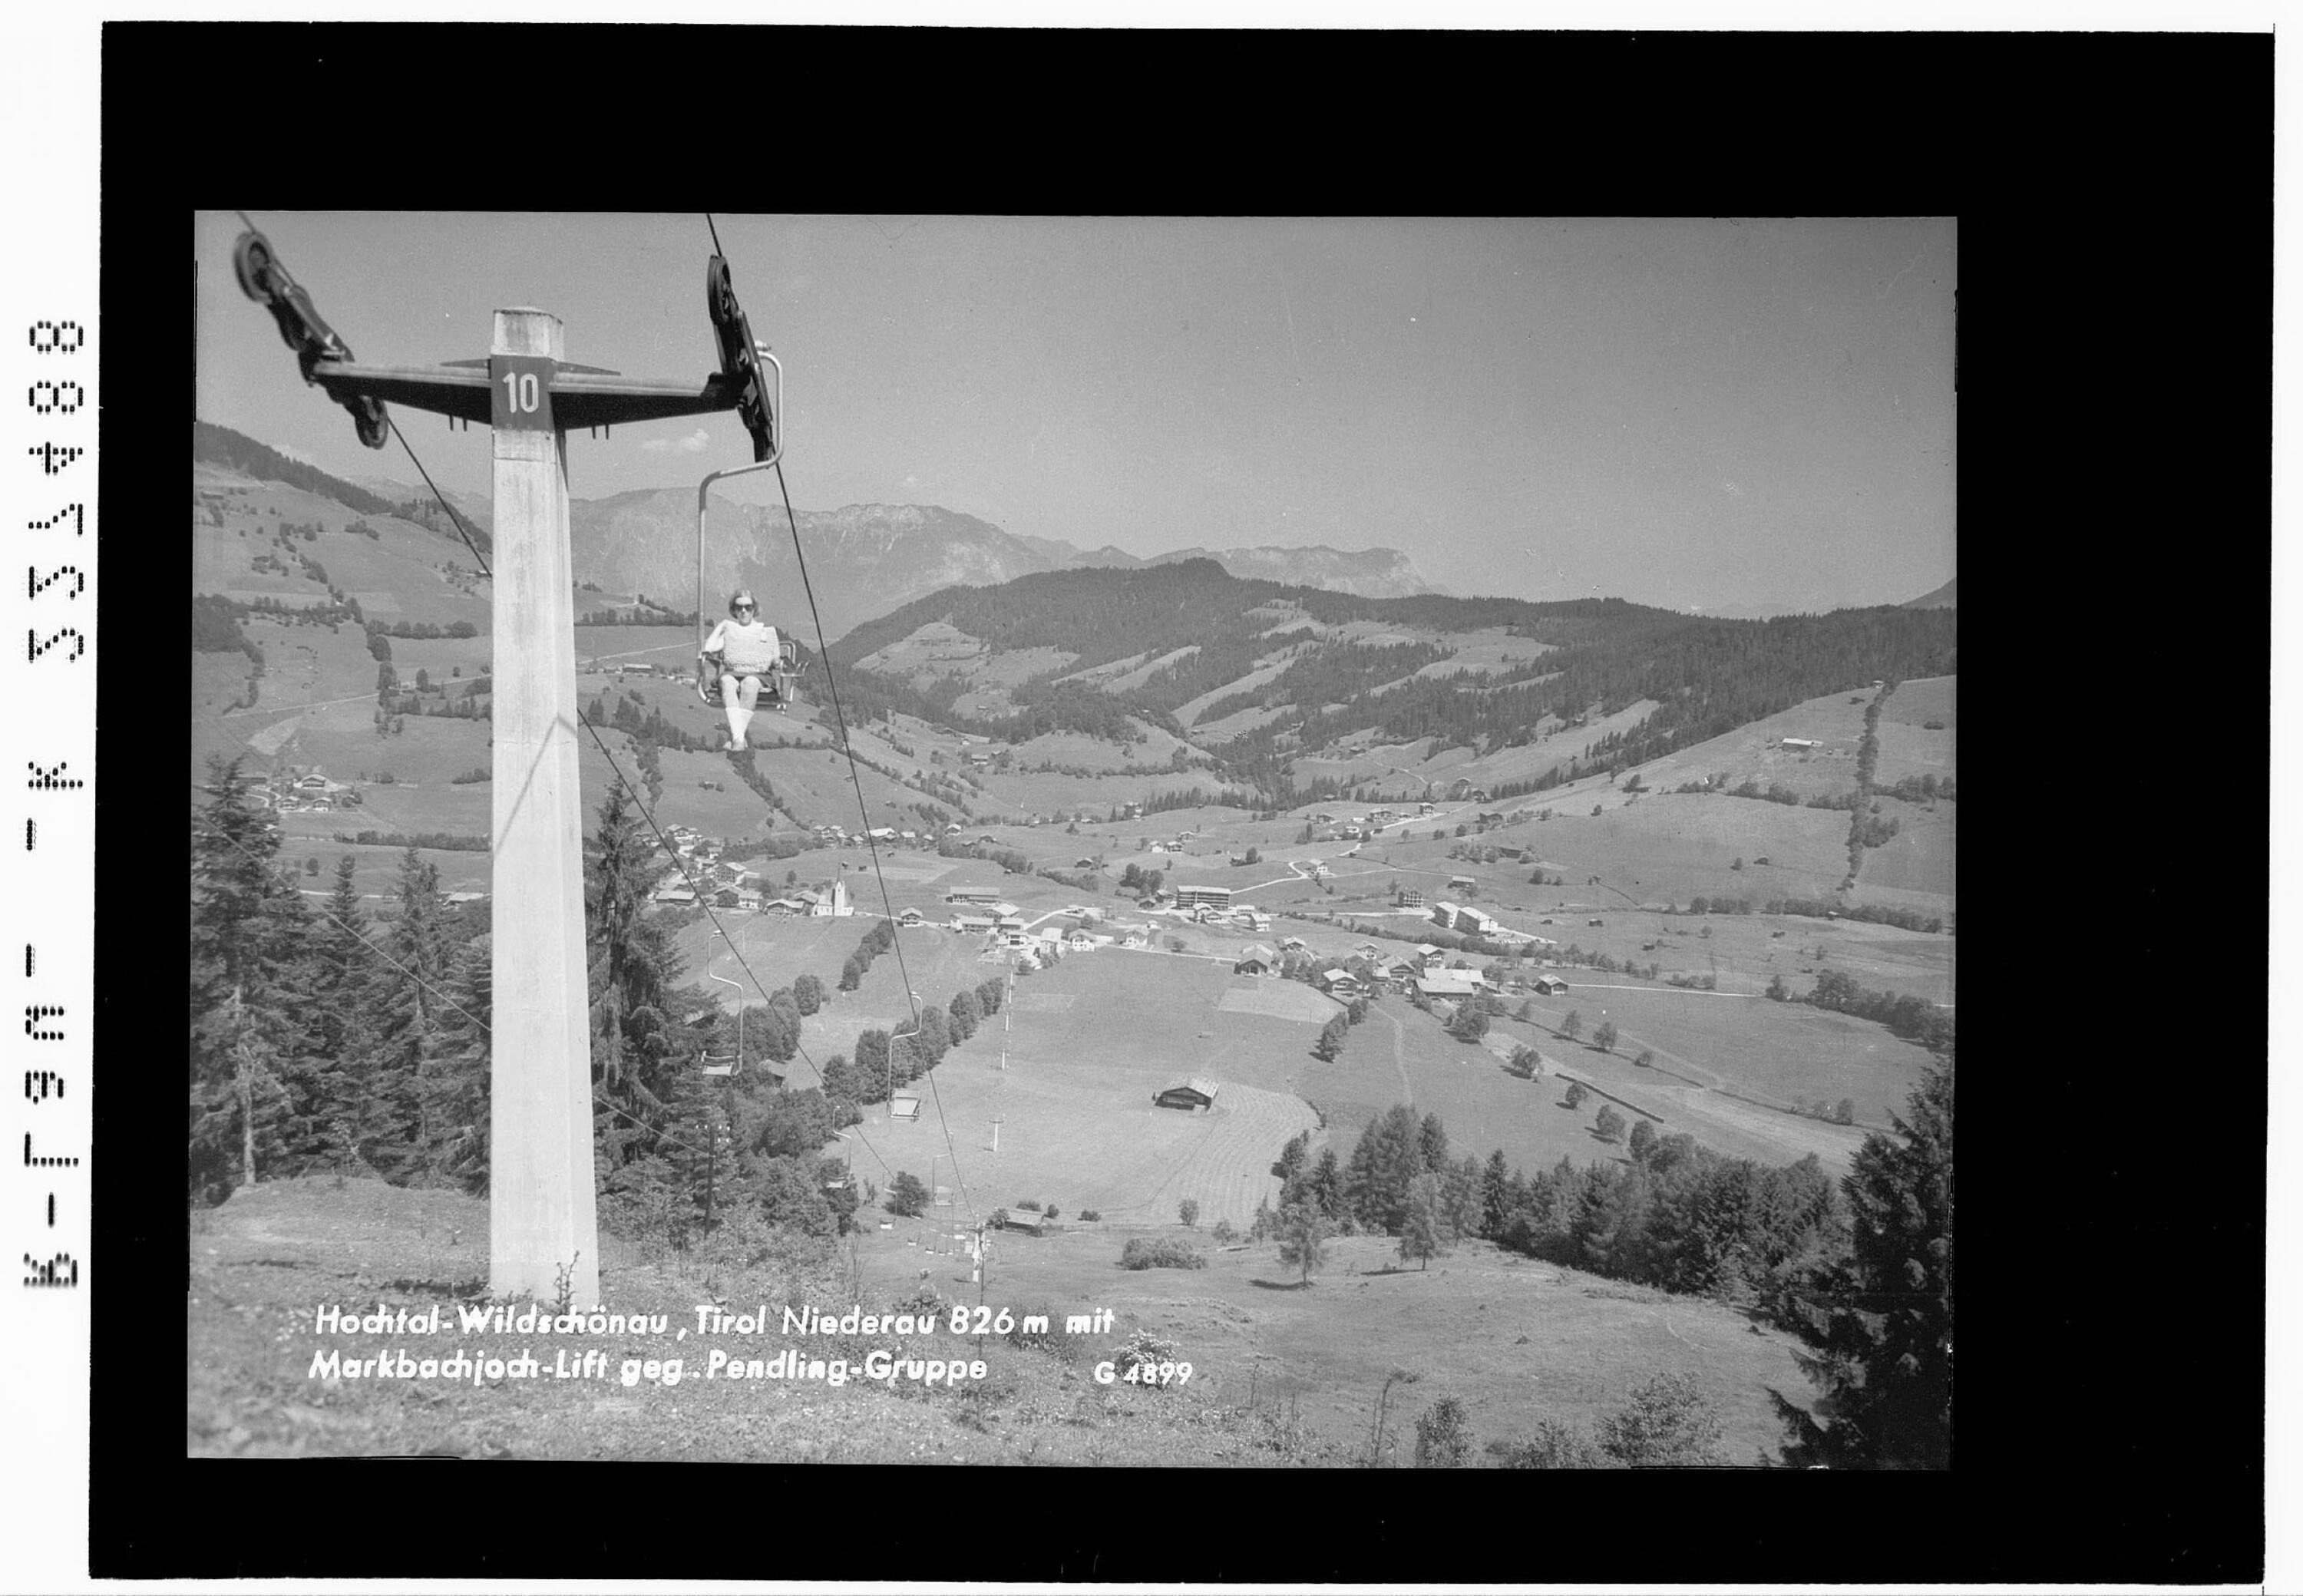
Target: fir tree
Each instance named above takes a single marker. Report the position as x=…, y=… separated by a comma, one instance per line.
x=1432, y=1143
x=1325, y=1184
x=1495, y=1196
x=637, y=1044
x=456, y=1082
x=1882, y=1322
x=1303, y=1237
x=249, y=928
x=1422, y=1230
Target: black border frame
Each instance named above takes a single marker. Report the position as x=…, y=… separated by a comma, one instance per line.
x=2114, y=196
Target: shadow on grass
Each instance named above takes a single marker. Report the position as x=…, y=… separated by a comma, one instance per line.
x=1280, y=1284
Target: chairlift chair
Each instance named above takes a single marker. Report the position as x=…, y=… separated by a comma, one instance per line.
x=778, y=684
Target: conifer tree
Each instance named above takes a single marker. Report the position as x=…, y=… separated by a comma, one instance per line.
x=638, y=1044
x=1495, y=1196
x=393, y=1117
x=1881, y=1322
x=1422, y=1232
x=456, y=1081
x=1431, y=1141
x=1303, y=1237
x=1325, y=1184
x=249, y=928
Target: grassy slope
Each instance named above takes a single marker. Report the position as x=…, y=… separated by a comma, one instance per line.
x=1518, y=1339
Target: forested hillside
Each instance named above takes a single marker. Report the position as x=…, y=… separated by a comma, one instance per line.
x=1706, y=675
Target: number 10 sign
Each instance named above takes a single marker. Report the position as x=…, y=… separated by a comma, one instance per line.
x=521, y=385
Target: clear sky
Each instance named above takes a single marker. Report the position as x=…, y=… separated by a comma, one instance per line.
x=1685, y=413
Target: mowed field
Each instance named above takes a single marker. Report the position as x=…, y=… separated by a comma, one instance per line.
x=1090, y=1042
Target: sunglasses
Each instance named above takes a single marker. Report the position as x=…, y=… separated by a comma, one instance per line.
x=747, y=606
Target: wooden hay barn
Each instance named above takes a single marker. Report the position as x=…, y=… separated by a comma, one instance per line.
x=1197, y=1092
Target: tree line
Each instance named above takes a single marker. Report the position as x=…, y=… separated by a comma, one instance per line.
x=1859, y=1268
x=337, y=1040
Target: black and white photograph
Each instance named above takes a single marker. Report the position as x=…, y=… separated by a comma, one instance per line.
x=1246, y=842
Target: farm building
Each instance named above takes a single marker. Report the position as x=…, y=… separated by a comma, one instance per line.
x=1549, y=986
x=971, y=923
x=1217, y=898
x=1461, y=884
x=1197, y=1092
x=1251, y=966
x=1025, y=1220
x=983, y=895
x=1449, y=984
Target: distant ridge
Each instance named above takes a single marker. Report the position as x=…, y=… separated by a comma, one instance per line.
x=866, y=559
x=1945, y=597
x=223, y=446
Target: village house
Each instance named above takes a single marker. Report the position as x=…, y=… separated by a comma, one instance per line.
x=1449, y=984
x=1549, y=986
x=1341, y=983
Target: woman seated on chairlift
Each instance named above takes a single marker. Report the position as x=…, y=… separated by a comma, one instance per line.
x=745, y=649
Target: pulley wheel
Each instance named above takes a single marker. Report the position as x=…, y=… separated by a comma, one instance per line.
x=719, y=293
x=251, y=262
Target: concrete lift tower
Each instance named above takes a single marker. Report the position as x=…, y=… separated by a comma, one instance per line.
x=543, y=1229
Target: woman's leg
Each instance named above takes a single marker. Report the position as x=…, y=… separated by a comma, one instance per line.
x=738, y=712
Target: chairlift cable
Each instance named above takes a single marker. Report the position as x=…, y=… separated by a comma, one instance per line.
x=441, y=497
x=840, y=724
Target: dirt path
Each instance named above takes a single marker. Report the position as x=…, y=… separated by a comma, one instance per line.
x=1399, y=1058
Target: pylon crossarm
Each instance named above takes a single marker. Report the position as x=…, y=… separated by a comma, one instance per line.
x=578, y=398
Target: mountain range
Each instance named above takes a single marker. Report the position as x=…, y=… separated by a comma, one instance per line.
x=865, y=560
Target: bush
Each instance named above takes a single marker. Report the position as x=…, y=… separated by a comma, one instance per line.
x=1224, y=1233
x=1028, y=1205
x=1442, y=1438
x=1143, y=1253
x=1141, y=1348
x=907, y=1196
x=1667, y=1422
x=1089, y=1215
